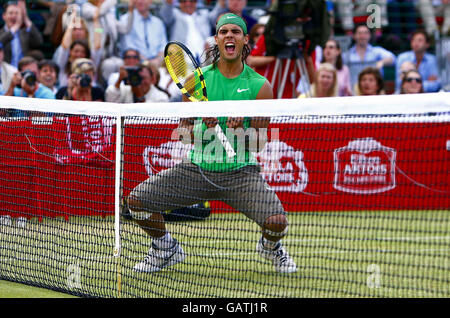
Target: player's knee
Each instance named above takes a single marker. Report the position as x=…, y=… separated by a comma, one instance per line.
x=134, y=203
x=276, y=225
x=136, y=208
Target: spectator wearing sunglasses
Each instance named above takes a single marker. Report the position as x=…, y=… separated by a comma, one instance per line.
x=140, y=86
x=412, y=83
x=426, y=63
x=404, y=68
x=130, y=58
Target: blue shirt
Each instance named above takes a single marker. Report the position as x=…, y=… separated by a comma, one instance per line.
x=147, y=35
x=428, y=67
x=16, y=48
x=41, y=92
x=2, y=91
x=372, y=55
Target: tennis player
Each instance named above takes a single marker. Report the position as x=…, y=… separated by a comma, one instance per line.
x=211, y=175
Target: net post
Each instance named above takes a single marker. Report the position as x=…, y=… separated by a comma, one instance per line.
x=117, y=196
x=117, y=179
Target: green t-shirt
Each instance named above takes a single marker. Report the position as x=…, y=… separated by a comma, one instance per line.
x=208, y=152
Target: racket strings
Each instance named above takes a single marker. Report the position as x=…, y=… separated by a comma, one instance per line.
x=185, y=71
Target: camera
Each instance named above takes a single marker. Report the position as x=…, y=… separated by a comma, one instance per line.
x=293, y=23
x=134, y=78
x=29, y=77
x=84, y=80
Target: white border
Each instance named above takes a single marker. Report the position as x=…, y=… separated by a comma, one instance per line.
x=332, y=106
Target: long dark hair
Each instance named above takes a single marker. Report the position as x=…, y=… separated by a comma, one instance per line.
x=68, y=68
x=339, y=61
x=213, y=54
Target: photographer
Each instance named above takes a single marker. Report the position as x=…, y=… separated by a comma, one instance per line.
x=24, y=83
x=80, y=85
x=140, y=86
x=131, y=57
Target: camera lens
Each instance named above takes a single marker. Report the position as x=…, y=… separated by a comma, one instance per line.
x=85, y=80
x=29, y=77
x=134, y=78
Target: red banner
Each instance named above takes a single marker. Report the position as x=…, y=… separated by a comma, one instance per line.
x=65, y=166
x=57, y=167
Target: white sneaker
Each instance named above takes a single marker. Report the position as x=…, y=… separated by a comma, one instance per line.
x=159, y=258
x=279, y=257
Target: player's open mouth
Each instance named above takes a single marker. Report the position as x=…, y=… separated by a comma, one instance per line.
x=229, y=48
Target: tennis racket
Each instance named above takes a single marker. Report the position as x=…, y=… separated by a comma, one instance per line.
x=188, y=76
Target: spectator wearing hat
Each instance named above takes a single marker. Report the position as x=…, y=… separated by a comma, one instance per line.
x=19, y=36
x=80, y=85
x=7, y=71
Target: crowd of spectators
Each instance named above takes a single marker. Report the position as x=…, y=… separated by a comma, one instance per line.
x=106, y=50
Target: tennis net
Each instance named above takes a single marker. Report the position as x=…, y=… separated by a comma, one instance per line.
x=363, y=182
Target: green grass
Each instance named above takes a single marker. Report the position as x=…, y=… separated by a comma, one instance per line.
x=348, y=254
x=15, y=290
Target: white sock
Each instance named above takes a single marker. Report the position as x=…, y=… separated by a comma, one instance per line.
x=165, y=241
x=269, y=244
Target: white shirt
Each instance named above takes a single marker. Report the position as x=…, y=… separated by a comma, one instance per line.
x=194, y=39
x=125, y=95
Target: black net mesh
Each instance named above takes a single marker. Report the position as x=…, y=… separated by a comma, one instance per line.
x=366, y=199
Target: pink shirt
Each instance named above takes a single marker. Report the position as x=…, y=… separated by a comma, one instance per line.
x=344, y=84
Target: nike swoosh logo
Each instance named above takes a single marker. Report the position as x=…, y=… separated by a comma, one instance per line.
x=240, y=90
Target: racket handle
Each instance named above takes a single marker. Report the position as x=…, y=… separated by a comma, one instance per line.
x=225, y=143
